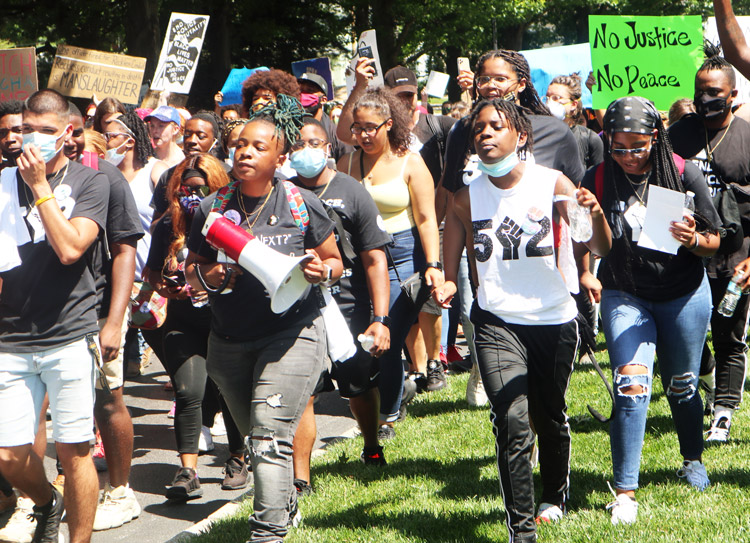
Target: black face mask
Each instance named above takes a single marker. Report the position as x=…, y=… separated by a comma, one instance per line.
x=707, y=106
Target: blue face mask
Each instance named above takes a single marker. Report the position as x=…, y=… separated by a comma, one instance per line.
x=113, y=157
x=501, y=167
x=46, y=143
x=308, y=162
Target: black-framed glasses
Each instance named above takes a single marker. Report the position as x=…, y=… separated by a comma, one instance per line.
x=484, y=80
x=313, y=143
x=369, y=131
x=196, y=190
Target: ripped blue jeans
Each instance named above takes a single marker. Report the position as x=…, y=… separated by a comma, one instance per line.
x=674, y=330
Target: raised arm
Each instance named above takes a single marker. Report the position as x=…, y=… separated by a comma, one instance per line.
x=732, y=40
x=364, y=71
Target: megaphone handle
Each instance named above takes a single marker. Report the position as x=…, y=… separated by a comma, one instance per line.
x=211, y=290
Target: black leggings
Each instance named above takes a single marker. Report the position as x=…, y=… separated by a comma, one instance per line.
x=185, y=343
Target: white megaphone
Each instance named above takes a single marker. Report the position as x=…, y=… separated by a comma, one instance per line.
x=279, y=273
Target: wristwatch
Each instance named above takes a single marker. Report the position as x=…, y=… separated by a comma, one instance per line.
x=328, y=281
x=437, y=265
x=385, y=321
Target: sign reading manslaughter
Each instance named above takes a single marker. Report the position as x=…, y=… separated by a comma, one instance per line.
x=18, y=77
x=82, y=73
x=653, y=57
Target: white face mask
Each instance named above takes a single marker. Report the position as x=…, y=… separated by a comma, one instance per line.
x=557, y=109
x=113, y=157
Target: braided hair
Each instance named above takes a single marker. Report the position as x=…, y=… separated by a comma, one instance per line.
x=714, y=61
x=286, y=115
x=528, y=97
x=143, y=149
x=229, y=126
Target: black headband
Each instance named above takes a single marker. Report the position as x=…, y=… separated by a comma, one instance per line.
x=631, y=114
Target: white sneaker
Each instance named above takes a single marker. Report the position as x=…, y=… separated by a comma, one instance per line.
x=219, y=428
x=695, y=473
x=719, y=431
x=21, y=525
x=116, y=507
x=205, y=442
x=475, y=393
x=548, y=513
x=624, y=509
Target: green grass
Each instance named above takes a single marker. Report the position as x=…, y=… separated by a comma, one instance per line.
x=441, y=485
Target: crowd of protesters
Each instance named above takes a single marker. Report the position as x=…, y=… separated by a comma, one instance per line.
x=405, y=224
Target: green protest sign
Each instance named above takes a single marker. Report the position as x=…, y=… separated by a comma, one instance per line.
x=653, y=57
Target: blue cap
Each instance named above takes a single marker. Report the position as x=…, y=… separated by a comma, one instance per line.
x=165, y=114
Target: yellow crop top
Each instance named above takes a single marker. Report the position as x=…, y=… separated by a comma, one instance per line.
x=393, y=200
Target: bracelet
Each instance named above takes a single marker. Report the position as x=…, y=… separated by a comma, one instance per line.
x=697, y=242
x=43, y=199
x=436, y=265
x=385, y=321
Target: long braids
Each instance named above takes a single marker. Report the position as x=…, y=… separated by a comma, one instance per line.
x=139, y=132
x=528, y=98
x=287, y=116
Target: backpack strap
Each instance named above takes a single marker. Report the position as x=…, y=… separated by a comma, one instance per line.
x=437, y=130
x=679, y=162
x=297, y=206
x=224, y=195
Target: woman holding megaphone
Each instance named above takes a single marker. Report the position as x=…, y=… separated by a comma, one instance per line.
x=265, y=363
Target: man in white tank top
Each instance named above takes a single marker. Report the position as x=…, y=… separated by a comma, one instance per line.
x=526, y=332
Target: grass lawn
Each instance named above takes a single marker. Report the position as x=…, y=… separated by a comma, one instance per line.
x=441, y=484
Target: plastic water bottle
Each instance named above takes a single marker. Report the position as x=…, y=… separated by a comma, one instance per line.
x=689, y=208
x=579, y=219
x=731, y=296
x=366, y=341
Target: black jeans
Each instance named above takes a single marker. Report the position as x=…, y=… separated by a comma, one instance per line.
x=526, y=371
x=728, y=335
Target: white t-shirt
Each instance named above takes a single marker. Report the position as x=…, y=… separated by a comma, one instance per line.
x=519, y=281
x=143, y=191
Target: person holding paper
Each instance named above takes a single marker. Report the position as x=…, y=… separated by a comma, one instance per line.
x=652, y=302
x=524, y=316
x=717, y=141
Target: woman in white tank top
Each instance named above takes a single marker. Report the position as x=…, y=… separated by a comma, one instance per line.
x=526, y=332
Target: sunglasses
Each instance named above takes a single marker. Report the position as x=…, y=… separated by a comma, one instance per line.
x=197, y=190
x=638, y=152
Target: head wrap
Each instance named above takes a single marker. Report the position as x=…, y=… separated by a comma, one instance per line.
x=631, y=114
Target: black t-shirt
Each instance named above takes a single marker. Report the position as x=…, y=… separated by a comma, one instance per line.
x=731, y=163
x=363, y=228
x=656, y=276
x=43, y=303
x=123, y=222
x=338, y=147
x=433, y=141
x=554, y=147
x=245, y=313
x=590, y=145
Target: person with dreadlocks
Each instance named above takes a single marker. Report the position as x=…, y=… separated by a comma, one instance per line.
x=229, y=137
x=524, y=316
x=717, y=142
x=506, y=75
x=265, y=364
x=652, y=302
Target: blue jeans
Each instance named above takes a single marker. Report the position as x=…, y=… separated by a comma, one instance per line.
x=266, y=384
x=408, y=257
x=674, y=330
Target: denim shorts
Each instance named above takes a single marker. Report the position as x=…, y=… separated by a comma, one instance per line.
x=67, y=374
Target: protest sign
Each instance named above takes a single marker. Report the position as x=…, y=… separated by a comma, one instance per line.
x=367, y=46
x=548, y=63
x=232, y=89
x=318, y=66
x=179, y=53
x=437, y=82
x=712, y=35
x=82, y=73
x=18, y=77
x=653, y=57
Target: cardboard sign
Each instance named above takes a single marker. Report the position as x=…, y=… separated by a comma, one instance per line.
x=548, y=63
x=653, y=57
x=318, y=66
x=712, y=35
x=18, y=77
x=232, y=89
x=437, y=82
x=82, y=73
x=367, y=46
x=180, y=52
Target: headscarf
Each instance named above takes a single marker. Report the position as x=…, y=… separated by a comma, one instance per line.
x=631, y=114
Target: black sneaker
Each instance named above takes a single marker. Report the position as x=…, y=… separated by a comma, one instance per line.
x=185, y=486
x=419, y=380
x=373, y=456
x=48, y=519
x=460, y=366
x=435, y=376
x=386, y=432
x=303, y=488
x=236, y=475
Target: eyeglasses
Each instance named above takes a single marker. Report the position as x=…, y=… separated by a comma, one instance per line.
x=369, y=131
x=639, y=152
x=112, y=135
x=198, y=190
x=556, y=98
x=313, y=143
x=484, y=80
x=5, y=131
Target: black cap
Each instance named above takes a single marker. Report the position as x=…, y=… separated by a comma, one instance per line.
x=400, y=79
